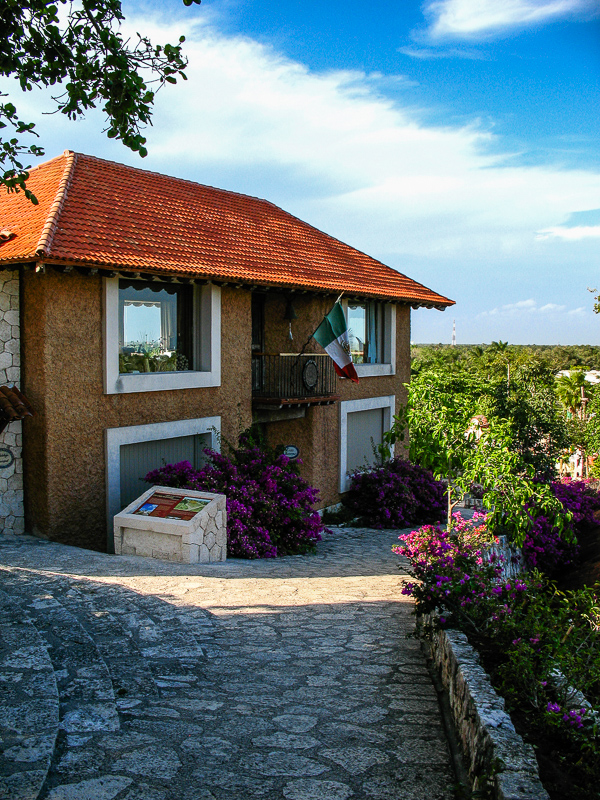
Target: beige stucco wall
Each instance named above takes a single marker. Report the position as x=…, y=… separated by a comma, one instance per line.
x=63, y=378
x=64, y=457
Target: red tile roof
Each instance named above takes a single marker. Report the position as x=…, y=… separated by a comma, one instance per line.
x=13, y=406
x=101, y=214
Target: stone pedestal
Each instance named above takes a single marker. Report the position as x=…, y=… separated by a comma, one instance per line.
x=202, y=537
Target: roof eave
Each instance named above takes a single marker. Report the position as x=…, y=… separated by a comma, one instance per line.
x=438, y=302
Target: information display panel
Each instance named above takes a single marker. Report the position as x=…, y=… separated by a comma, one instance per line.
x=171, y=506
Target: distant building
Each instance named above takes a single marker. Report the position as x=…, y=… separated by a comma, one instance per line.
x=591, y=376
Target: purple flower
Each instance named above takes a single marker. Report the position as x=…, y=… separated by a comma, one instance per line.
x=575, y=717
x=395, y=495
x=269, y=506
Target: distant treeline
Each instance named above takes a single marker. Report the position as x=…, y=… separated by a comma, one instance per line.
x=556, y=357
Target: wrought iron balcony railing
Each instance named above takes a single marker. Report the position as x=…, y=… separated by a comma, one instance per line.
x=289, y=376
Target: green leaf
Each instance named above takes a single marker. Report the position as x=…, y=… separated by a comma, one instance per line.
x=83, y=51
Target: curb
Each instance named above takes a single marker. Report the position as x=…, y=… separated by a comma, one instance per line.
x=29, y=725
x=496, y=755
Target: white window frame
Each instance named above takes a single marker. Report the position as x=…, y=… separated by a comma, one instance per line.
x=388, y=403
x=115, y=438
x=207, y=346
x=388, y=365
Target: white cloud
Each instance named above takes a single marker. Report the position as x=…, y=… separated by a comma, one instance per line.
x=385, y=182
x=427, y=53
x=530, y=308
x=332, y=149
x=573, y=234
x=529, y=304
x=482, y=18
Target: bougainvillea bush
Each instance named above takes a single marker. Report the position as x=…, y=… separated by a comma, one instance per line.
x=269, y=505
x=536, y=643
x=454, y=578
x=580, y=498
x=547, y=548
x=395, y=495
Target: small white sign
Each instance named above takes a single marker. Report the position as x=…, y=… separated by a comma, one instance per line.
x=6, y=457
x=291, y=451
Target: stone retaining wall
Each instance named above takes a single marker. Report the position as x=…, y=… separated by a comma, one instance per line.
x=492, y=747
x=12, y=516
x=511, y=558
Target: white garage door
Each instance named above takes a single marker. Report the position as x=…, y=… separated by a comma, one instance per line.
x=139, y=458
x=365, y=429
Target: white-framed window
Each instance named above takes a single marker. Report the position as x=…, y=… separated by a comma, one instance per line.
x=132, y=451
x=372, y=335
x=362, y=425
x=160, y=336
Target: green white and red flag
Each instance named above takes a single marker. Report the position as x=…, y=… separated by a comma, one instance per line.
x=332, y=335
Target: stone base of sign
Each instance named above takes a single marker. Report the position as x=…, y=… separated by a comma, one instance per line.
x=200, y=539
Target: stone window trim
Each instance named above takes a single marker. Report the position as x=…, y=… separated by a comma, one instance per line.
x=207, y=346
x=388, y=365
x=115, y=438
x=387, y=402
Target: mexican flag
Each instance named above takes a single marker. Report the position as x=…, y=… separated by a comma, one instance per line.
x=332, y=335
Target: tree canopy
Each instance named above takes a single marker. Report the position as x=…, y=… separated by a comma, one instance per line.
x=494, y=358
x=80, y=49
x=500, y=429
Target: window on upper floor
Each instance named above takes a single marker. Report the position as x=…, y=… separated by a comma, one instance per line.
x=365, y=330
x=160, y=335
x=372, y=335
x=156, y=324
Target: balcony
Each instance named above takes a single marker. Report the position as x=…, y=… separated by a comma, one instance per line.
x=289, y=380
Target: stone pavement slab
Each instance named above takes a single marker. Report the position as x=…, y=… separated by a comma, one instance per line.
x=285, y=678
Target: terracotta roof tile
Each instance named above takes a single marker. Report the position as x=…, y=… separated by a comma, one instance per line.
x=99, y=213
x=13, y=406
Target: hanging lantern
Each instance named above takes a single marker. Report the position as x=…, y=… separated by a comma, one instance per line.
x=290, y=314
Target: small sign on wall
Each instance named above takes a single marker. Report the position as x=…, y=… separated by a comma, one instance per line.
x=6, y=457
x=291, y=451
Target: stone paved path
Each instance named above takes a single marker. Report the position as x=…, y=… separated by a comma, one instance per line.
x=290, y=678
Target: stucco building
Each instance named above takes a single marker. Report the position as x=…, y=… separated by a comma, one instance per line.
x=141, y=315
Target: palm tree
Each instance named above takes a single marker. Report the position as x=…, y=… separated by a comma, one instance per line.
x=569, y=389
x=475, y=353
x=498, y=347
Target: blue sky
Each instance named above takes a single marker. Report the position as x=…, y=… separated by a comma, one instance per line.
x=456, y=140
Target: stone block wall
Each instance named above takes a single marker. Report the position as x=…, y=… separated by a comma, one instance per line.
x=498, y=760
x=12, y=517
